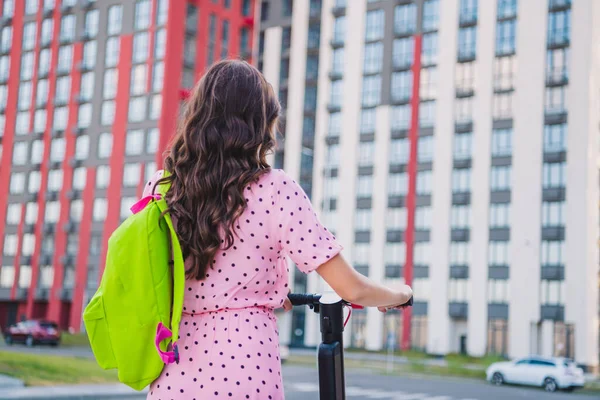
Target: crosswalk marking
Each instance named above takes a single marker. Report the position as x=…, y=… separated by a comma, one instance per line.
x=354, y=391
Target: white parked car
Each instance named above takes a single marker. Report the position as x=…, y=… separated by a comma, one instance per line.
x=550, y=373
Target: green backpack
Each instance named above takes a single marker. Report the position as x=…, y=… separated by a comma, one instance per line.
x=140, y=299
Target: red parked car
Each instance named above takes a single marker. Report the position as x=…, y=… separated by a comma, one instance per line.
x=33, y=332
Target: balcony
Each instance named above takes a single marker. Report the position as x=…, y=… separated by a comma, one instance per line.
x=42, y=293
x=70, y=227
x=466, y=56
x=468, y=18
x=77, y=131
x=333, y=107
x=335, y=75
x=29, y=228
x=74, y=163
x=459, y=272
x=553, y=272
x=67, y=260
x=66, y=8
x=6, y=20
x=46, y=259
x=498, y=311
x=552, y=312
x=48, y=12
x=49, y=227
x=458, y=310
x=558, y=5
x=338, y=10
x=58, y=132
x=86, y=3
x=336, y=42
x=460, y=234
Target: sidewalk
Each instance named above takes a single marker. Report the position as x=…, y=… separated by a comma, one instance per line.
x=72, y=392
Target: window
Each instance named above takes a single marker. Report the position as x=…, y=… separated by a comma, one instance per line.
x=399, y=151
x=461, y=180
x=554, y=293
x=425, y=149
x=37, y=151
x=502, y=107
x=501, y=142
x=335, y=124
x=498, y=254
x=57, y=149
x=500, y=178
x=100, y=207
x=500, y=215
x=134, y=144
x=67, y=28
x=160, y=44
x=422, y=254
x=31, y=7
x=102, y=176
x=423, y=218
x=468, y=11
x=39, y=121
x=395, y=253
x=155, y=106
x=310, y=98
x=403, y=52
x=107, y=116
x=140, y=47
x=28, y=41
x=157, y=77
x=364, y=186
x=246, y=9
x=460, y=253
x=373, y=58
x=8, y=8
x=82, y=147
x=244, y=41
x=65, y=59
x=362, y=220
x=555, y=138
x=31, y=212
x=86, y=91
x=559, y=28
x=405, y=19
x=427, y=114
x=63, y=87
x=424, y=183
x=20, y=153
x=553, y=252
x=10, y=245
x=498, y=291
x=361, y=254
x=554, y=175
x=79, y=178
x=35, y=182
x=264, y=11
x=24, y=96
x=60, y=118
x=556, y=99
x=138, y=79
x=339, y=29
x=462, y=146
x=429, y=51
x=507, y=8
x=22, y=123
x=137, y=109
x=400, y=117
x=430, y=15
x=91, y=23
x=142, y=14
x=112, y=52
x=287, y=8
x=152, y=141
x=55, y=180
x=44, y=62
x=336, y=94
x=504, y=72
x=6, y=39
x=505, y=37
x=212, y=32
x=396, y=219
x=371, y=93
x=401, y=86
x=557, y=65
x=553, y=214
x=115, y=15
x=131, y=175
x=13, y=214
x=366, y=152
x=126, y=203
x=7, y=272
x=460, y=217
x=109, y=89
x=367, y=121
x=398, y=184
x=463, y=110
x=467, y=43
x=374, y=25
x=17, y=183
x=27, y=66
x=225, y=39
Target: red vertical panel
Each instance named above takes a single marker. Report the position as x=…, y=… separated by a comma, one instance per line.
x=151, y=33
x=117, y=157
x=36, y=54
x=409, y=236
x=81, y=263
x=60, y=244
x=172, y=76
x=204, y=10
x=17, y=261
x=11, y=112
x=44, y=168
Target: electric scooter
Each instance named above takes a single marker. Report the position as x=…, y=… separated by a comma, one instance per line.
x=330, y=307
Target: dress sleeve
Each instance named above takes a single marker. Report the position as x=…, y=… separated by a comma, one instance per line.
x=300, y=233
x=149, y=187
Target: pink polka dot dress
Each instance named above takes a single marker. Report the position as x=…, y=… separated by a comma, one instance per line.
x=229, y=347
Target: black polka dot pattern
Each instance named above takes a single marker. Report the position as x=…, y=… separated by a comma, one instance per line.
x=228, y=342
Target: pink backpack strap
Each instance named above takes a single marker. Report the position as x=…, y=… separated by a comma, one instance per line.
x=143, y=202
x=162, y=333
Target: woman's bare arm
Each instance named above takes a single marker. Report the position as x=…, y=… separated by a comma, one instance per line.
x=358, y=289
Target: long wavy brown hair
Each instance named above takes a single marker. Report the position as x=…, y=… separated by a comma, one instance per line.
x=220, y=147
